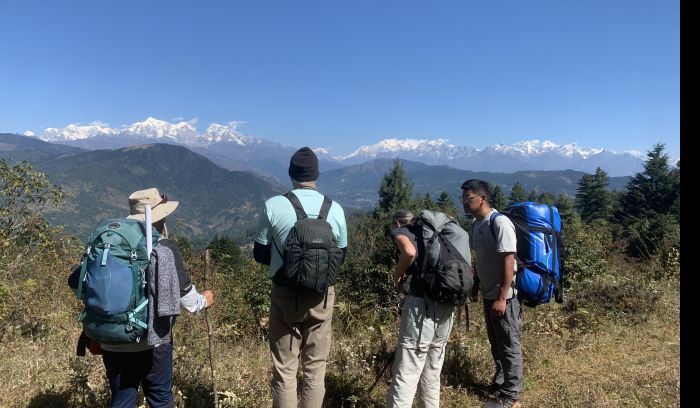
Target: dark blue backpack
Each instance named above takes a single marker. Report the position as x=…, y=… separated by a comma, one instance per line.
x=539, y=251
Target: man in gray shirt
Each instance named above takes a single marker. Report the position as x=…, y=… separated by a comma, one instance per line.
x=495, y=269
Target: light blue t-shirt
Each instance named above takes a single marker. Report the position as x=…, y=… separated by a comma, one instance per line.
x=278, y=218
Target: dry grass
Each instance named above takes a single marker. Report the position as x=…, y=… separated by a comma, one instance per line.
x=610, y=363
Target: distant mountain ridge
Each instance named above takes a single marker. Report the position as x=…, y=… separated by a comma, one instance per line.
x=358, y=186
x=238, y=151
x=525, y=155
x=97, y=183
x=18, y=148
x=214, y=200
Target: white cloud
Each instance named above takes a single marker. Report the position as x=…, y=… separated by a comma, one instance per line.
x=29, y=133
x=178, y=119
x=99, y=123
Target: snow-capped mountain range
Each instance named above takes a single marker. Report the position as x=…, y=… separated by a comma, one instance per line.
x=225, y=142
x=151, y=128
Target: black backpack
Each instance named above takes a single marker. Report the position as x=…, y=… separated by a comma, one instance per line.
x=311, y=255
x=444, y=267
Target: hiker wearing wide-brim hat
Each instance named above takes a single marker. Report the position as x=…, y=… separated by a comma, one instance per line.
x=149, y=361
x=161, y=207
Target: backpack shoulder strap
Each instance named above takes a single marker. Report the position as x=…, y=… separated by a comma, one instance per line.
x=426, y=225
x=491, y=219
x=325, y=208
x=298, y=208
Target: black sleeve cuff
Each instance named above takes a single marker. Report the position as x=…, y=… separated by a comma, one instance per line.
x=262, y=253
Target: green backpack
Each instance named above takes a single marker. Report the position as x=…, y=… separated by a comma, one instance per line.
x=112, y=282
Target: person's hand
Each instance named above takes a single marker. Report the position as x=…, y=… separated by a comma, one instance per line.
x=209, y=296
x=498, y=308
x=398, y=283
x=94, y=347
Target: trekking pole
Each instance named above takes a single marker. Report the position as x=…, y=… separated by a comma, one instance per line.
x=210, y=331
x=388, y=362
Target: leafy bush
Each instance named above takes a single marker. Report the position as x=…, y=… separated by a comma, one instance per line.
x=585, y=250
x=630, y=299
x=647, y=237
x=25, y=234
x=365, y=286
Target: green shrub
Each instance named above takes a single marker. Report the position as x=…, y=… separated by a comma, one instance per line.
x=365, y=287
x=649, y=236
x=629, y=299
x=585, y=250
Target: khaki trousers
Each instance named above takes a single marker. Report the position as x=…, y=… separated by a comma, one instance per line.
x=300, y=327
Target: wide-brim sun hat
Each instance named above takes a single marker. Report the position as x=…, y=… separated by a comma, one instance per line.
x=160, y=206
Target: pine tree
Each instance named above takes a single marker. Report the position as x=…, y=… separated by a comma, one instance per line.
x=565, y=205
x=546, y=198
x=424, y=203
x=653, y=191
x=395, y=192
x=648, y=211
x=582, y=199
x=497, y=198
x=532, y=196
x=593, y=200
x=676, y=179
x=446, y=205
x=517, y=194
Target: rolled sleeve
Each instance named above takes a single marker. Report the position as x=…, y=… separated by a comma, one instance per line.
x=505, y=235
x=193, y=301
x=342, y=228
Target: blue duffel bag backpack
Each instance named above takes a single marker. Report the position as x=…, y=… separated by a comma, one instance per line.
x=539, y=251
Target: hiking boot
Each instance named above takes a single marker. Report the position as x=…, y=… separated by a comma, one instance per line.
x=491, y=389
x=503, y=403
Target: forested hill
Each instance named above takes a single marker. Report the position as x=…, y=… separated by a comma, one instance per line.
x=16, y=148
x=97, y=183
x=218, y=201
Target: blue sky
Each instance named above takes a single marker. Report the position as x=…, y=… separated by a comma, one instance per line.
x=340, y=74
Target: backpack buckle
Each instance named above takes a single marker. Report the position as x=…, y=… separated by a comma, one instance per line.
x=143, y=277
x=133, y=255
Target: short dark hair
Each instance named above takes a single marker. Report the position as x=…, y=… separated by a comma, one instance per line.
x=478, y=186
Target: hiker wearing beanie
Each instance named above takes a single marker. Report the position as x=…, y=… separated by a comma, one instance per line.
x=147, y=361
x=303, y=238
